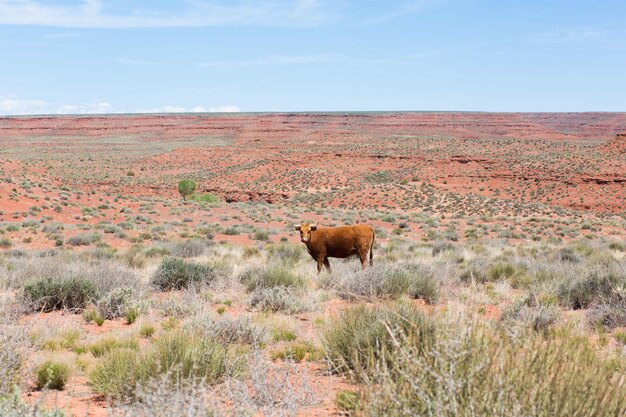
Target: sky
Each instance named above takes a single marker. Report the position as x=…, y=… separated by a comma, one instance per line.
x=127, y=56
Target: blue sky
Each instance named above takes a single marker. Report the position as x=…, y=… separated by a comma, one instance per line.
x=97, y=56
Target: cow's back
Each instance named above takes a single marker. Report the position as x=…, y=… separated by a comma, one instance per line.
x=344, y=241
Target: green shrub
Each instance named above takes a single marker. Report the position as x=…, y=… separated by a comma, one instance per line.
x=271, y=277
x=261, y=235
x=48, y=294
x=5, y=243
x=174, y=274
x=84, y=239
x=51, y=375
x=204, y=198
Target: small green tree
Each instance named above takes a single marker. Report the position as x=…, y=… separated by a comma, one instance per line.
x=186, y=188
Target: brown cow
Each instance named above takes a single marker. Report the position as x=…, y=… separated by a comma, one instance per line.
x=337, y=242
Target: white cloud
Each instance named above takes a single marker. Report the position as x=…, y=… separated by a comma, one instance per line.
x=13, y=106
x=224, y=109
x=297, y=59
x=197, y=13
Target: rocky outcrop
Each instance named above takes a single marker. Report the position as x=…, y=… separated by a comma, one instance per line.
x=236, y=196
x=616, y=145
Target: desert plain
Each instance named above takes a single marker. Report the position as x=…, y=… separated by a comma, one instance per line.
x=498, y=285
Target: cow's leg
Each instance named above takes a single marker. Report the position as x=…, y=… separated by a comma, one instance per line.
x=363, y=258
x=327, y=265
x=320, y=262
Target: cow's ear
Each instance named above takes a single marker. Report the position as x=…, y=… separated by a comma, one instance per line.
x=314, y=227
x=297, y=227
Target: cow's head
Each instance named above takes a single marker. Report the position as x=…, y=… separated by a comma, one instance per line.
x=305, y=230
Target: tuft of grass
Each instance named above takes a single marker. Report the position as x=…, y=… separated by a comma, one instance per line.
x=355, y=340
x=146, y=330
x=347, y=400
x=596, y=286
x=282, y=334
x=106, y=345
x=298, y=352
x=180, y=354
x=131, y=316
x=271, y=277
x=51, y=375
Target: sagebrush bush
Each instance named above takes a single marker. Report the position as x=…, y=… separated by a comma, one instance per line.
x=269, y=390
x=84, y=239
x=175, y=274
x=117, y=303
x=188, y=249
x=355, y=340
x=104, y=275
x=231, y=330
x=271, y=277
x=386, y=281
x=13, y=406
x=71, y=294
x=12, y=342
x=278, y=299
x=162, y=397
x=469, y=369
x=51, y=375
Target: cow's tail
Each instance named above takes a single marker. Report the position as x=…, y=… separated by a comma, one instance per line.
x=372, y=247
